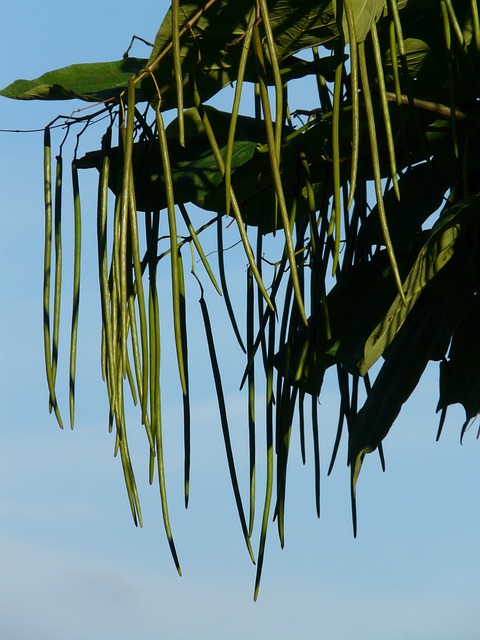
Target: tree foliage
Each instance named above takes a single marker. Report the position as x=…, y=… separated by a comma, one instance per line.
x=373, y=197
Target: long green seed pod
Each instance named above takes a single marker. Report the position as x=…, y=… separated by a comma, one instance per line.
x=224, y=420
x=223, y=281
x=451, y=82
x=394, y=58
x=152, y=223
x=269, y=436
x=316, y=453
x=186, y=396
x=172, y=224
x=274, y=164
x=251, y=395
x=127, y=178
x=77, y=213
x=47, y=258
x=57, y=290
x=476, y=23
x=286, y=402
x=354, y=93
x=177, y=69
x=376, y=169
x=276, y=77
x=155, y=400
x=141, y=369
x=235, y=207
x=335, y=221
x=108, y=320
x=236, y=107
x=454, y=22
x=385, y=111
x=121, y=444
x=198, y=246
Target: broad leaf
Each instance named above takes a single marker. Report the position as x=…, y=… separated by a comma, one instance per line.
x=365, y=13
x=212, y=46
x=433, y=257
x=416, y=51
x=194, y=171
x=447, y=305
x=93, y=82
x=355, y=306
x=222, y=21
x=301, y=25
x=424, y=336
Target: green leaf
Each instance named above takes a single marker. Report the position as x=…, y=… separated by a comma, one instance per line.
x=212, y=46
x=432, y=258
x=447, y=306
x=222, y=21
x=194, y=169
x=365, y=13
x=92, y=82
x=416, y=52
x=355, y=305
x=460, y=374
x=301, y=25
x=362, y=300
x=295, y=26
x=195, y=173
x=426, y=333
x=196, y=176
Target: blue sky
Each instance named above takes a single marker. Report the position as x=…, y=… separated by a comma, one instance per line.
x=73, y=564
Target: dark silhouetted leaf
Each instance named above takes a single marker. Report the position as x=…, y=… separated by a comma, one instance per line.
x=422, y=189
x=460, y=374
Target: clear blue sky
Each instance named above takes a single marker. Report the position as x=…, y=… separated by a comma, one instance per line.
x=72, y=564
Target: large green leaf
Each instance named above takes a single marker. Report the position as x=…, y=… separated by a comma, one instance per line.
x=355, y=306
x=212, y=46
x=93, y=82
x=194, y=170
x=222, y=21
x=196, y=176
x=447, y=306
x=365, y=13
x=207, y=48
x=301, y=25
x=416, y=52
x=295, y=26
x=362, y=306
x=432, y=258
x=424, y=336
x=424, y=37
